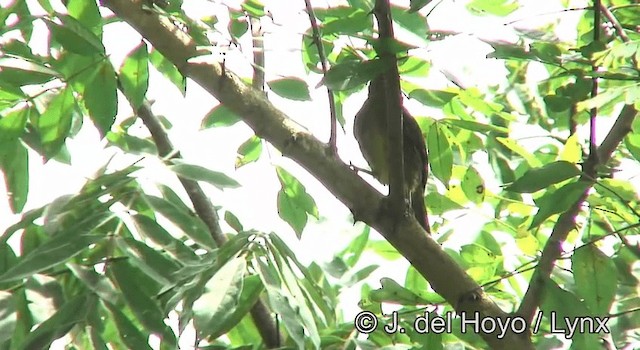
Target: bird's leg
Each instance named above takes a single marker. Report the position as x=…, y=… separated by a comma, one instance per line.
x=358, y=169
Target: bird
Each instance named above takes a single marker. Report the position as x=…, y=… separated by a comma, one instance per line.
x=370, y=130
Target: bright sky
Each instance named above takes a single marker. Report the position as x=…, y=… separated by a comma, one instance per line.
x=462, y=57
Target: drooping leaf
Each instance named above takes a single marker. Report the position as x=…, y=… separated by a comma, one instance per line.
x=59, y=249
x=596, y=278
x=249, y=151
x=71, y=313
x=473, y=185
x=199, y=173
x=134, y=75
x=25, y=72
x=169, y=70
x=221, y=296
x=143, y=305
x=558, y=201
x=440, y=154
x=74, y=36
x=54, y=124
x=292, y=88
x=14, y=157
x=220, y=115
x=101, y=97
x=294, y=203
x=538, y=178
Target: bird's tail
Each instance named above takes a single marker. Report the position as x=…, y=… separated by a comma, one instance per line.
x=419, y=210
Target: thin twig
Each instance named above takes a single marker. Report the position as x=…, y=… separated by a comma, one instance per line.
x=261, y=315
x=323, y=62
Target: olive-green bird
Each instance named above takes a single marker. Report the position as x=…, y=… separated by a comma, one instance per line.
x=370, y=129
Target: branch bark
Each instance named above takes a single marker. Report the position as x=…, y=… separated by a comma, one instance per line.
x=567, y=221
x=205, y=211
x=269, y=123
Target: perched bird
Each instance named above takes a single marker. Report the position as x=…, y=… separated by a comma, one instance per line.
x=370, y=129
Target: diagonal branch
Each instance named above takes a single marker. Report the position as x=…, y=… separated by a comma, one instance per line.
x=567, y=221
x=269, y=123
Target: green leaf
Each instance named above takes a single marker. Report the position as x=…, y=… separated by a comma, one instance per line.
x=511, y=144
x=416, y=5
x=292, y=88
x=494, y=7
x=53, y=252
x=55, y=123
x=74, y=36
x=71, y=313
x=411, y=21
x=473, y=185
x=475, y=126
x=153, y=263
x=9, y=314
x=131, y=144
x=351, y=254
x=169, y=70
x=134, y=75
x=86, y=12
x=252, y=287
x=220, y=115
x=391, y=46
x=129, y=334
x=249, y=151
x=413, y=67
x=353, y=74
x=351, y=23
x=9, y=95
x=558, y=201
x=97, y=283
x=565, y=307
x=632, y=141
x=16, y=177
x=475, y=254
x=432, y=98
x=281, y=303
x=14, y=158
x=238, y=26
x=158, y=235
x=199, y=173
x=392, y=292
x=596, y=278
x=25, y=72
x=254, y=8
x=440, y=154
x=191, y=225
x=538, y=178
x=294, y=203
x=101, y=97
x=221, y=296
x=144, y=306
x=233, y=221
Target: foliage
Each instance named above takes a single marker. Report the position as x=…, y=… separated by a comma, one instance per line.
x=120, y=261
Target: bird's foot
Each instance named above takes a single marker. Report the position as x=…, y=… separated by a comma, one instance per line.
x=358, y=169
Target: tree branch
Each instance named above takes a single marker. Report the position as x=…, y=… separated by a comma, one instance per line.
x=566, y=222
x=203, y=208
x=269, y=123
x=397, y=185
x=323, y=62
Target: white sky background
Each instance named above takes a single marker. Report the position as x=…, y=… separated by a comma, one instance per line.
x=462, y=57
